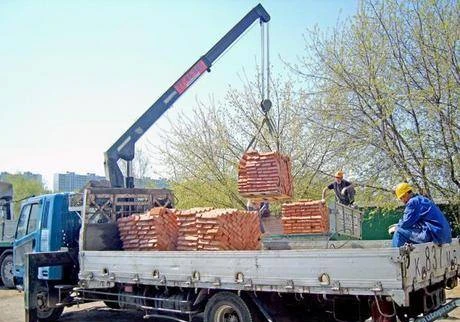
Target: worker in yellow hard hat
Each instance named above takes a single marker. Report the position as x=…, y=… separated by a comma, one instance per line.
x=422, y=222
x=343, y=189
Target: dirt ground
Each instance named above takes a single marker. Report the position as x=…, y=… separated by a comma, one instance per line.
x=12, y=310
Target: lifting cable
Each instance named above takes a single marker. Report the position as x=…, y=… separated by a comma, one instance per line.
x=265, y=103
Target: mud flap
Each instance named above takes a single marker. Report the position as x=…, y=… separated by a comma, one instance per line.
x=31, y=283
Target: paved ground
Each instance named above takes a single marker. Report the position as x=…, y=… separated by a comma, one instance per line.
x=12, y=310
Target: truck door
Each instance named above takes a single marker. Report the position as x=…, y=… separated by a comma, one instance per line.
x=27, y=236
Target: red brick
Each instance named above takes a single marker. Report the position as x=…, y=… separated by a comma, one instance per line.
x=305, y=216
x=265, y=176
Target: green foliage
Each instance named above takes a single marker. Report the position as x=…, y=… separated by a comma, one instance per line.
x=452, y=212
x=377, y=220
x=310, y=186
x=387, y=85
x=203, y=150
x=380, y=101
x=196, y=193
x=148, y=183
x=23, y=188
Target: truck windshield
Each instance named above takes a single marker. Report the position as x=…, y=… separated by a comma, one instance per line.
x=28, y=220
x=33, y=218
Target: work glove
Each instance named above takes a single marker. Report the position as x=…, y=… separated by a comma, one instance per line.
x=392, y=229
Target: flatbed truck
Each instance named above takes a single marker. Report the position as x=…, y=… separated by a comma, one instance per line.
x=67, y=250
x=351, y=280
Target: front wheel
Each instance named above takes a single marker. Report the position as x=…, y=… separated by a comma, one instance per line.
x=227, y=307
x=6, y=271
x=44, y=312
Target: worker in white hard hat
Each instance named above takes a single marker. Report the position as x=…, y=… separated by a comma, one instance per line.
x=422, y=222
x=344, y=190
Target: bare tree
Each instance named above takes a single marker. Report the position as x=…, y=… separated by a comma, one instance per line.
x=204, y=149
x=387, y=83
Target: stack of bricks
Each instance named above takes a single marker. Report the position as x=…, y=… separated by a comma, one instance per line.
x=228, y=229
x=305, y=217
x=128, y=232
x=188, y=232
x=155, y=230
x=265, y=176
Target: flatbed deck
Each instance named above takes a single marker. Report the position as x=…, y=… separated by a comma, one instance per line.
x=353, y=267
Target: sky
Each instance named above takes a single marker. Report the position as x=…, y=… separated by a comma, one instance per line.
x=74, y=75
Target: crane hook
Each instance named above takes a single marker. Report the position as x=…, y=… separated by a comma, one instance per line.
x=266, y=105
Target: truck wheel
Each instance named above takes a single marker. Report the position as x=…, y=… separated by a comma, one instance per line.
x=6, y=271
x=227, y=307
x=44, y=312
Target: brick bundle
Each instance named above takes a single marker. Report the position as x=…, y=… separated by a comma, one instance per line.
x=228, y=229
x=128, y=232
x=188, y=232
x=154, y=230
x=305, y=217
x=265, y=176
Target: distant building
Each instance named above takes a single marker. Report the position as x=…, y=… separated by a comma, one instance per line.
x=70, y=181
x=28, y=175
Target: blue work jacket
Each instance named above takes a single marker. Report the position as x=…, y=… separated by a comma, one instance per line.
x=421, y=214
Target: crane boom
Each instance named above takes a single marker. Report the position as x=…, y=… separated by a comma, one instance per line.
x=124, y=147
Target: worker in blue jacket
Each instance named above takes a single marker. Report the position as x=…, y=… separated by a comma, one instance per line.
x=422, y=222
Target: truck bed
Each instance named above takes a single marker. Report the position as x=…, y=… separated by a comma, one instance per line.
x=322, y=267
x=7, y=230
x=285, y=265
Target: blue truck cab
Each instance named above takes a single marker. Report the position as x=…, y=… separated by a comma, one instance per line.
x=46, y=223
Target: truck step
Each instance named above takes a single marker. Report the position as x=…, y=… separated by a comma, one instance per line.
x=64, y=287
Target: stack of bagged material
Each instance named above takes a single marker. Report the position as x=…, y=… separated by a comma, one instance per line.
x=228, y=229
x=188, y=232
x=155, y=230
x=265, y=176
x=305, y=217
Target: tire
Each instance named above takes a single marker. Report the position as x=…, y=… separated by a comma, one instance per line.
x=227, y=307
x=44, y=312
x=53, y=314
x=6, y=271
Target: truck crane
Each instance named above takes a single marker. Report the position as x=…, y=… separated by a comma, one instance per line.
x=124, y=147
x=67, y=251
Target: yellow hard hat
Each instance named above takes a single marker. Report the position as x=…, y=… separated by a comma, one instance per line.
x=339, y=174
x=402, y=189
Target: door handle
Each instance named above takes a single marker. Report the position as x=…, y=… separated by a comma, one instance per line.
x=33, y=244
